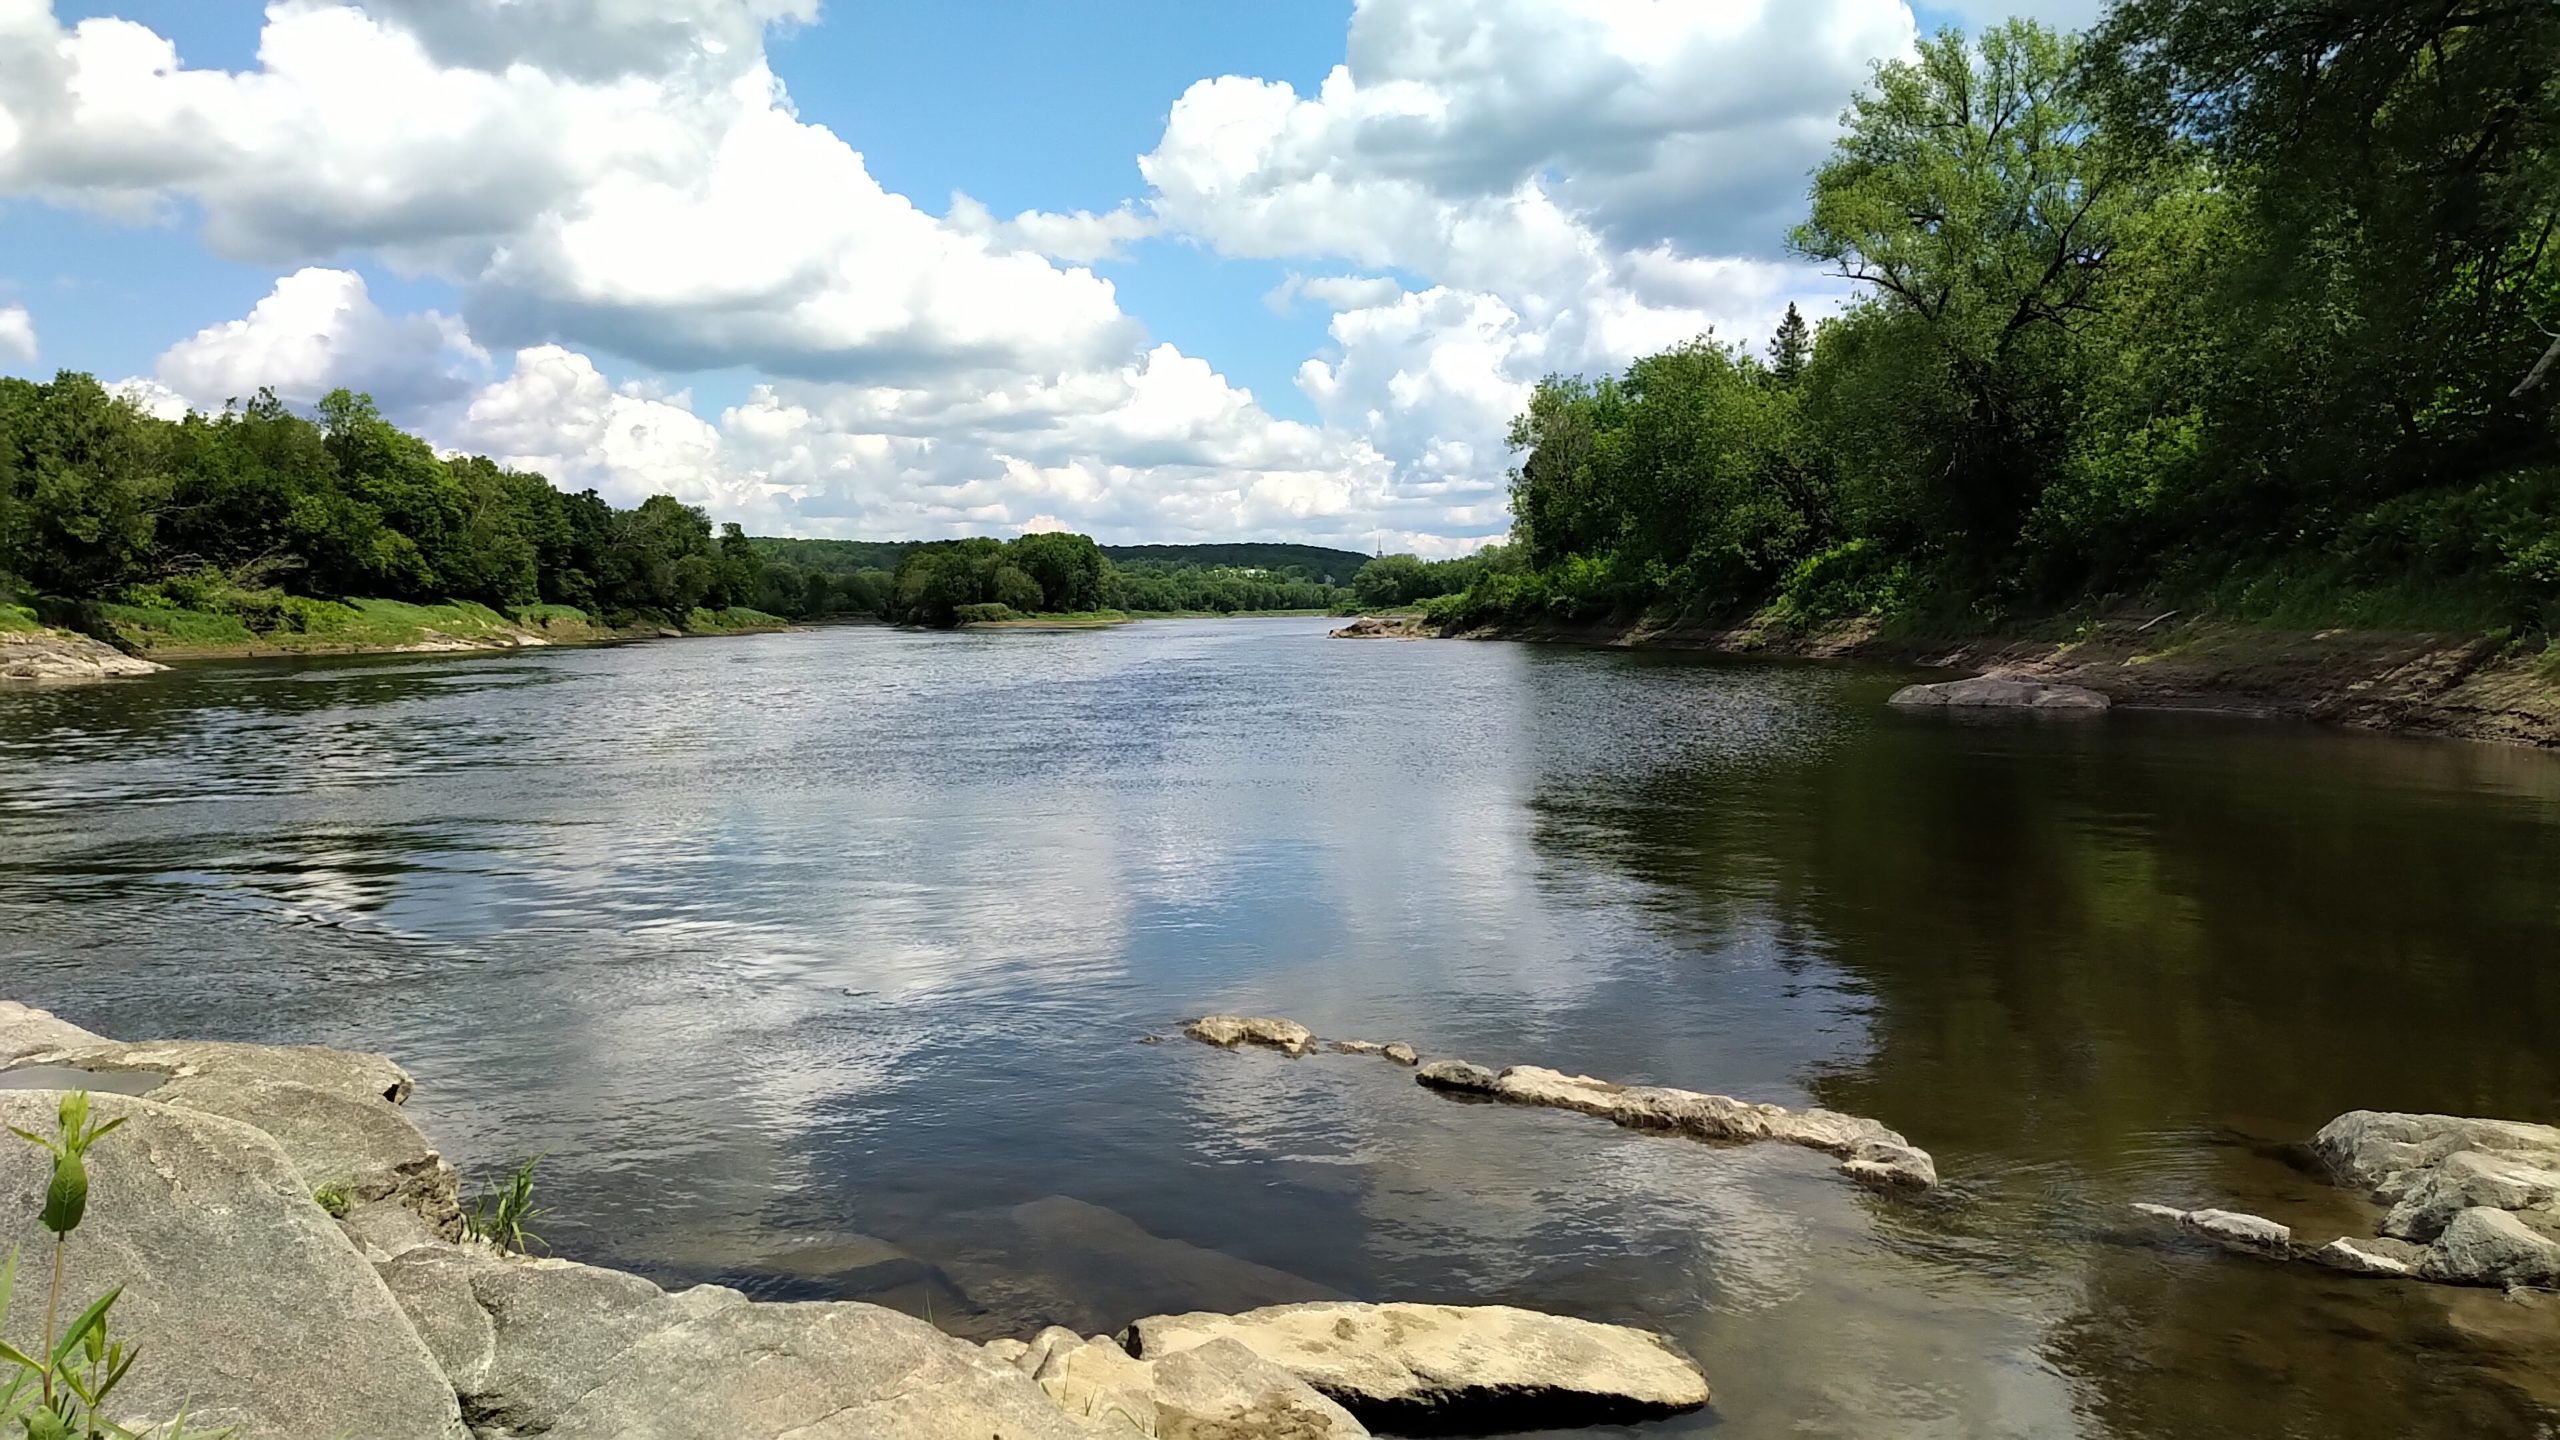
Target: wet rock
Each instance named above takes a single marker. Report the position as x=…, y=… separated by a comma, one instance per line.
x=1998, y=692
x=1395, y=1050
x=2385, y=1153
x=2231, y=1229
x=1450, y=1369
x=25, y=1030
x=811, y=1371
x=1213, y=1392
x=1457, y=1076
x=1870, y=1153
x=2382, y=1258
x=2468, y=1179
x=523, y=1340
x=251, y=1309
x=1229, y=1031
x=1064, y=1261
x=1375, y=627
x=58, y=657
x=1401, y=1053
x=2483, y=1246
x=336, y=1112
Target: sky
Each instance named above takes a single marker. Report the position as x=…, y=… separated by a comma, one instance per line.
x=1153, y=270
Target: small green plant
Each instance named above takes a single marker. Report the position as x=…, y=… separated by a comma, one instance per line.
x=336, y=1198
x=504, y=1218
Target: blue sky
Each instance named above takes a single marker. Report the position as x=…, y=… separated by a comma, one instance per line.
x=1488, y=190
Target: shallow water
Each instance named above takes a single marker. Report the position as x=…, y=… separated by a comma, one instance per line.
x=818, y=962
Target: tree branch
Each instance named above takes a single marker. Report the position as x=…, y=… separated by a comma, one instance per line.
x=2540, y=372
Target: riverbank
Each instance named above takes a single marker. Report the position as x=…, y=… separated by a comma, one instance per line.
x=2460, y=686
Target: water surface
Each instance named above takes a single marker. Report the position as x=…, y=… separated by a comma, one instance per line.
x=818, y=963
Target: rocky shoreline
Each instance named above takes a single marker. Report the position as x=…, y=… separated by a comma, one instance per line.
x=265, y=1312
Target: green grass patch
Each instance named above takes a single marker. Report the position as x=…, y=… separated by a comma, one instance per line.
x=15, y=618
x=737, y=617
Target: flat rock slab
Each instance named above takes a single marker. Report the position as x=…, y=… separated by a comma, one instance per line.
x=26, y=1030
x=1995, y=692
x=1869, y=1152
x=58, y=657
x=1229, y=1031
x=1451, y=1369
x=811, y=1371
x=1217, y=1391
x=251, y=1308
x=2230, y=1229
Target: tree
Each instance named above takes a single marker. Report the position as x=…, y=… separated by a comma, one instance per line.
x=1791, y=348
x=1015, y=590
x=86, y=477
x=1069, y=569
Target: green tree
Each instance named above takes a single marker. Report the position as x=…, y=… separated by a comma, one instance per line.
x=85, y=476
x=1015, y=590
x=1069, y=570
x=1791, y=347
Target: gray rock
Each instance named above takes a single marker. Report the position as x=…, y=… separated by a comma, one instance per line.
x=2230, y=1229
x=2464, y=1180
x=523, y=1340
x=1395, y=1050
x=2382, y=1258
x=811, y=1371
x=58, y=657
x=1457, y=1076
x=1229, y=1031
x=1870, y=1153
x=336, y=1112
x=1442, y=1369
x=1060, y=1260
x=2482, y=1246
x=2000, y=692
x=2386, y=1152
x=1217, y=1391
x=251, y=1308
x=382, y=1229
x=1401, y=1053
x=25, y=1031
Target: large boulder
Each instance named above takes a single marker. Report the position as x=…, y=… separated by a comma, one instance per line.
x=25, y=1031
x=58, y=657
x=336, y=1112
x=817, y=1370
x=1229, y=1031
x=522, y=1340
x=2386, y=1152
x=1217, y=1391
x=2470, y=1179
x=1450, y=1369
x=1999, y=692
x=2493, y=1247
x=251, y=1308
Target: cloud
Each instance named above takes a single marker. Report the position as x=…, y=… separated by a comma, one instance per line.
x=17, y=335
x=319, y=331
x=1083, y=237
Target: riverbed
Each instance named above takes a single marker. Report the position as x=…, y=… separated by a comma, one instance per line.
x=821, y=963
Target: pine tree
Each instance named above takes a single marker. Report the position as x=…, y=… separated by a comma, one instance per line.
x=1791, y=347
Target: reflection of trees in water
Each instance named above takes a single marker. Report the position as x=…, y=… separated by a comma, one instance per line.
x=2085, y=953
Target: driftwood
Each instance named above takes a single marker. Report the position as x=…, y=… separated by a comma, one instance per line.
x=2541, y=370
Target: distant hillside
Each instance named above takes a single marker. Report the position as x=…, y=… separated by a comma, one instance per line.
x=1309, y=562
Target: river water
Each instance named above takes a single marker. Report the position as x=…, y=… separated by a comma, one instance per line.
x=819, y=963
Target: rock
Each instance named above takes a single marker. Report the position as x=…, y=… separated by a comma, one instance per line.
x=2230, y=1229
x=1870, y=1153
x=2386, y=1152
x=1060, y=1260
x=1213, y=1392
x=1373, y=627
x=811, y=1371
x=336, y=1112
x=1999, y=692
x=382, y=1229
x=2482, y=1246
x=25, y=1030
x=2386, y=1258
x=2464, y=1180
x=1451, y=1369
x=524, y=1340
x=1457, y=1076
x=58, y=657
x=1395, y=1050
x=1401, y=1053
x=251, y=1309
x=1229, y=1031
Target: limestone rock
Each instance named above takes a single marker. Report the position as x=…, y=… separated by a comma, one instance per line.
x=1217, y=1391
x=2464, y=1180
x=383, y=1229
x=25, y=1030
x=523, y=1340
x=251, y=1308
x=336, y=1112
x=1229, y=1031
x=2230, y=1229
x=1985, y=692
x=2482, y=1246
x=1401, y=1053
x=58, y=657
x=1443, y=1369
x=1457, y=1076
x=818, y=1370
x=2384, y=1258
x=2386, y=1152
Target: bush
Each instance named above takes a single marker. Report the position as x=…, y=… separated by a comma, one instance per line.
x=984, y=614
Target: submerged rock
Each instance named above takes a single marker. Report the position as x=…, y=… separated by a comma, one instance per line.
x=1212, y=1392
x=2391, y=1259
x=1395, y=1050
x=1999, y=692
x=1229, y=1031
x=1451, y=1369
x=251, y=1309
x=1870, y=1153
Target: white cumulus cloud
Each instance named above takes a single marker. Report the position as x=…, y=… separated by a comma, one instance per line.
x=17, y=334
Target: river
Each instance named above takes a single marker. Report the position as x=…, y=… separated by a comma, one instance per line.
x=820, y=963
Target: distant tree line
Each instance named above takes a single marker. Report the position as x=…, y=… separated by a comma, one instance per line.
x=2251, y=304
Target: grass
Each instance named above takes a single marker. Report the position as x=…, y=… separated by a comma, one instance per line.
x=504, y=1217
x=336, y=1198
x=17, y=618
x=730, y=621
